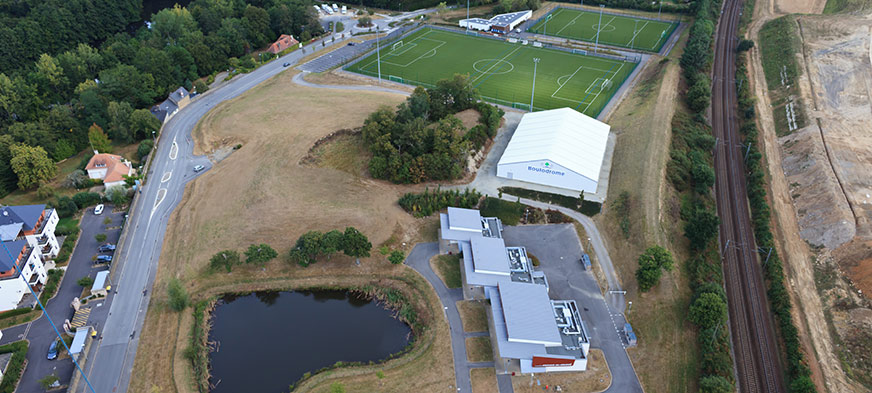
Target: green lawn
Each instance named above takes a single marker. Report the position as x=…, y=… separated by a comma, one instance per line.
x=501, y=71
x=617, y=30
x=447, y=267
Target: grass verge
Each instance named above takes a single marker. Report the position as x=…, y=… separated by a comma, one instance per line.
x=484, y=380
x=473, y=315
x=508, y=212
x=447, y=267
x=779, y=44
x=16, y=365
x=478, y=349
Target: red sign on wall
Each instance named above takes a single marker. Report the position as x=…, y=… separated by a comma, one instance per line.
x=539, y=361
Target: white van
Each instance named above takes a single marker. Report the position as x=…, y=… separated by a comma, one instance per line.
x=344, y=9
x=335, y=8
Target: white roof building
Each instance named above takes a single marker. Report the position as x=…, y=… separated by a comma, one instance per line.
x=558, y=148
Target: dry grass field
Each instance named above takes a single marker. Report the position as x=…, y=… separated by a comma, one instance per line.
x=596, y=379
x=484, y=380
x=473, y=315
x=666, y=358
x=478, y=349
x=260, y=193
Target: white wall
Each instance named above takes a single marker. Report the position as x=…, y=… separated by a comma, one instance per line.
x=48, y=230
x=527, y=367
x=13, y=289
x=476, y=25
x=553, y=175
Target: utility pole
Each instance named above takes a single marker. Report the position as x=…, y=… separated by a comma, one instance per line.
x=533, y=94
x=599, y=28
x=377, y=53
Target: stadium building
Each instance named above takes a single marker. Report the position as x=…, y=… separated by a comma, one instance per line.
x=502, y=23
x=558, y=148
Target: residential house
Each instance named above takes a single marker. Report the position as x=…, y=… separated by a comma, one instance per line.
x=175, y=101
x=110, y=168
x=284, y=42
x=33, y=223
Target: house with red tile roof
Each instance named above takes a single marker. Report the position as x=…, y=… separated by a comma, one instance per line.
x=284, y=42
x=110, y=168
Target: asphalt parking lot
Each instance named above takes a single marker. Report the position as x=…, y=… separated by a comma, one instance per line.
x=559, y=250
x=39, y=332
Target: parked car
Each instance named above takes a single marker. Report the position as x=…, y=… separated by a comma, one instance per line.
x=286, y=64
x=350, y=44
x=106, y=248
x=98, y=209
x=198, y=168
x=104, y=258
x=53, y=350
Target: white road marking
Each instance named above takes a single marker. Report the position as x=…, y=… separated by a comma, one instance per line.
x=166, y=177
x=161, y=194
x=174, y=150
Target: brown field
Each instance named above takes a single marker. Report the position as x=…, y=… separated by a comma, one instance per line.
x=666, y=358
x=596, y=379
x=484, y=380
x=260, y=193
x=478, y=349
x=473, y=315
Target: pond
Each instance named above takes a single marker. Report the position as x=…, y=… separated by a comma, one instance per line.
x=268, y=340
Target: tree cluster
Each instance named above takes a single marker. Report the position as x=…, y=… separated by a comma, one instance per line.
x=652, y=262
x=314, y=245
x=421, y=140
x=54, y=85
x=504, y=6
x=428, y=202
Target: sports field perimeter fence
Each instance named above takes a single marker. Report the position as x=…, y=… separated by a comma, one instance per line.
x=674, y=23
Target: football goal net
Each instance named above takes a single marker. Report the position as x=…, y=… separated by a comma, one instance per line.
x=607, y=84
x=397, y=45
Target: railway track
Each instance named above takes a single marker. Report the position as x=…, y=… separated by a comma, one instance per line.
x=755, y=347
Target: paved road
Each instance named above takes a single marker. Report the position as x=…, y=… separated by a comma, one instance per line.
x=39, y=332
x=559, y=249
x=111, y=360
x=419, y=259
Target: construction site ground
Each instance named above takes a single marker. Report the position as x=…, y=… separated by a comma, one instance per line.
x=820, y=187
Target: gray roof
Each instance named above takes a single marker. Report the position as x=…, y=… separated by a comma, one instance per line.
x=100, y=280
x=177, y=95
x=26, y=214
x=9, y=253
x=460, y=219
x=489, y=255
x=78, y=344
x=10, y=231
x=477, y=20
x=504, y=347
x=507, y=19
x=528, y=313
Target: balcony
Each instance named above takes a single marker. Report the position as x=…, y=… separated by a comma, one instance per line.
x=46, y=216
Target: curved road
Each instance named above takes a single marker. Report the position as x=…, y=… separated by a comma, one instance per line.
x=111, y=357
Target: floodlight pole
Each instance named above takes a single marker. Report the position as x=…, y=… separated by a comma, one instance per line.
x=467, y=16
x=533, y=94
x=659, y=9
x=378, y=53
x=599, y=28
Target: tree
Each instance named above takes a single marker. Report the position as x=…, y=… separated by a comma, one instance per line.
x=397, y=257
x=45, y=191
x=119, y=121
x=84, y=199
x=225, y=259
x=85, y=281
x=441, y=8
x=65, y=207
x=259, y=253
x=200, y=86
x=31, y=165
x=744, y=45
x=143, y=124
x=355, y=244
x=100, y=237
x=309, y=246
x=117, y=195
x=126, y=83
x=708, y=310
x=99, y=141
x=364, y=21
x=144, y=148
x=701, y=228
x=178, y=296
x=331, y=243
x=170, y=24
x=651, y=263
x=714, y=384
x=76, y=179
x=699, y=95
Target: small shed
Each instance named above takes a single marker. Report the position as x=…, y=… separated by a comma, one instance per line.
x=101, y=282
x=79, y=341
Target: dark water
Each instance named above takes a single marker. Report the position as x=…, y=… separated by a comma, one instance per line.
x=268, y=340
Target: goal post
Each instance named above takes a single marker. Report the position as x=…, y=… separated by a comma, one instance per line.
x=606, y=84
x=396, y=45
x=394, y=78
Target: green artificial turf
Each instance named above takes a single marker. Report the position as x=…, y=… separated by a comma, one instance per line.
x=618, y=30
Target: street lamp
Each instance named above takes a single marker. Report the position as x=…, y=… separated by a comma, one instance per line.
x=378, y=53
x=153, y=138
x=599, y=27
x=533, y=94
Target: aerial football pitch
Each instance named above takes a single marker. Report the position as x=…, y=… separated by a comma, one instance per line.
x=617, y=30
x=501, y=71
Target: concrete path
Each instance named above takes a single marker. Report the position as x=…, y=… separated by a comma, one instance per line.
x=419, y=259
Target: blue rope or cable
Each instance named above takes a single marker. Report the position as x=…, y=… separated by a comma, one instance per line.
x=49, y=318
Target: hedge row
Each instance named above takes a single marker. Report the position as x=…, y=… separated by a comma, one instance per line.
x=15, y=367
x=798, y=373
x=691, y=172
x=426, y=203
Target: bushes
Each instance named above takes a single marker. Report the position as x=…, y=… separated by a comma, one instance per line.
x=16, y=365
x=508, y=212
x=66, y=207
x=51, y=285
x=178, y=295
x=226, y=259
x=708, y=311
x=85, y=282
x=197, y=352
x=260, y=254
x=144, y=148
x=588, y=208
x=397, y=257
x=313, y=245
x=427, y=203
x=85, y=199
x=622, y=208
